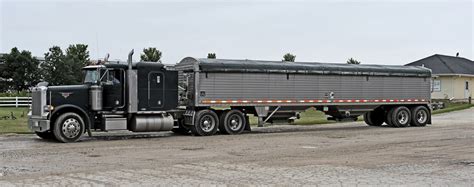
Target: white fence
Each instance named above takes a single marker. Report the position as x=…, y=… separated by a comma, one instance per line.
x=15, y=101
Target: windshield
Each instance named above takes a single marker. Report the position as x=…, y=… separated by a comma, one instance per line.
x=91, y=76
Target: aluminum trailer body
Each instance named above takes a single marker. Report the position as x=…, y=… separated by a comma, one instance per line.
x=340, y=90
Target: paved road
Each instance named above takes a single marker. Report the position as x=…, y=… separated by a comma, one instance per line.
x=332, y=154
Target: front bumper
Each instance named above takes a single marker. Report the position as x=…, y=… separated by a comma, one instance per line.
x=38, y=124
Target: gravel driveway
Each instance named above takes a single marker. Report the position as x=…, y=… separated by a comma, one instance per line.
x=332, y=154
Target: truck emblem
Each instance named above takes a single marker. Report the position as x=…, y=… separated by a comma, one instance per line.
x=66, y=94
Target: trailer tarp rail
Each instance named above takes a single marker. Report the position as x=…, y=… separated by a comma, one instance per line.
x=259, y=66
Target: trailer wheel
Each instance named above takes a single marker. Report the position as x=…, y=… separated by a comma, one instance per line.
x=401, y=116
x=206, y=123
x=388, y=118
x=419, y=116
x=374, y=118
x=48, y=135
x=69, y=127
x=232, y=122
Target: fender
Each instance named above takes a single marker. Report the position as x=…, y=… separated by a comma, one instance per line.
x=82, y=113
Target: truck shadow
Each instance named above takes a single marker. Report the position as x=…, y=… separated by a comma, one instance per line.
x=309, y=129
x=269, y=130
x=114, y=137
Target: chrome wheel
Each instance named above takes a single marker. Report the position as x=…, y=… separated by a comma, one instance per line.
x=232, y=122
x=403, y=117
x=236, y=122
x=421, y=116
x=207, y=123
x=71, y=128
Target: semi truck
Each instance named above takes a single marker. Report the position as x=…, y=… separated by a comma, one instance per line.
x=209, y=96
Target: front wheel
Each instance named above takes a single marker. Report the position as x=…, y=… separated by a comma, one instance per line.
x=69, y=127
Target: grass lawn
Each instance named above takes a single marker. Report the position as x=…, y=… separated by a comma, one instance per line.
x=309, y=117
x=14, y=126
x=453, y=107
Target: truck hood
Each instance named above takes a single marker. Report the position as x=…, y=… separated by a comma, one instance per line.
x=77, y=95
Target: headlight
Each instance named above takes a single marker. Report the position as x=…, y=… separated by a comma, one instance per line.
x=49, y=108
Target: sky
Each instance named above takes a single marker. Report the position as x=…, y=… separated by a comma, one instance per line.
x=371, y=31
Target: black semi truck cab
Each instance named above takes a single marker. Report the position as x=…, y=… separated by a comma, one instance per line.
x=138, y=97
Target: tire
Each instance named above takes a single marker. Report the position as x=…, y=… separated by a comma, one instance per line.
x=232, y=122
x=401, y=116
x=206, y=123
x=419, y=116
x=48, y=135
x=374, y=118
x=68, y=127
x=388, y=118
x=367, y=120
x=181, y=129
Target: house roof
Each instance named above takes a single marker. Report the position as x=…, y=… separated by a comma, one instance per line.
x=443, y=64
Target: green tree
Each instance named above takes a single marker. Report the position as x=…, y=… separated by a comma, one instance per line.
x=77, y=56
x=21, y=68
x=151, y=54
x=3, y=81
x=288, y=57
x=211, y=55
x=55, y=70
x=352, y=61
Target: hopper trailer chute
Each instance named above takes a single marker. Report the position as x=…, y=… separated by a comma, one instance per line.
x=204, y=96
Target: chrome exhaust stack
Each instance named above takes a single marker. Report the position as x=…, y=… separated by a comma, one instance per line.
x=132, y=86
x=129, y=60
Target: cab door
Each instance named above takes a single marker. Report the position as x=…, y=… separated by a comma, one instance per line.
x=156, y=89
x=113, y=87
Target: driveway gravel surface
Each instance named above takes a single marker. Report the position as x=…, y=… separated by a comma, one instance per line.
x=332, y=154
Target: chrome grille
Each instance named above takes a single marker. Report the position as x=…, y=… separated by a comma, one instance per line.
x=38, y=101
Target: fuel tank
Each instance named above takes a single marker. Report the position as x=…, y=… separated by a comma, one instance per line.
x=151, y=123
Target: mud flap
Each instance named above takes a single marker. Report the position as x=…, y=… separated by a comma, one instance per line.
x=247, y=126
x=429, y=119
x=89, y=128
